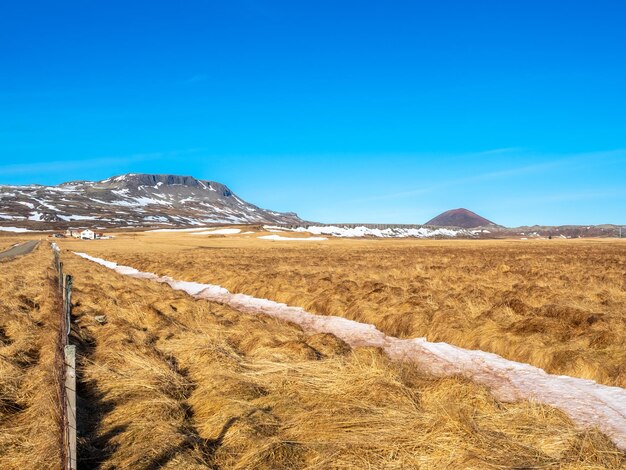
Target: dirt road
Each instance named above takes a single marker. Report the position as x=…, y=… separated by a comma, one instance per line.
x=19, y=250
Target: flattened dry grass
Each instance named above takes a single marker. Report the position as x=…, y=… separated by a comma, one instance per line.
x=171, y=382
x=559, y=304
x=29, y=409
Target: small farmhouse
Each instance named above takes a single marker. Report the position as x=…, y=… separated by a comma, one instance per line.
x=87, y=235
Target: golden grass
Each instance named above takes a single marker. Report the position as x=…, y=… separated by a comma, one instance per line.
x=170, y=382
x=558, y=304
x=29, y=410
x=7, y=242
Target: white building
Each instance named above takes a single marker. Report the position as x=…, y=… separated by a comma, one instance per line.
x=87, y=235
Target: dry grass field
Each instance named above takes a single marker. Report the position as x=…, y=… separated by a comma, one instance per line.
x=29, y=411
x=557, y=304
x=166, y=381
x=171, y=382
x=5, y=243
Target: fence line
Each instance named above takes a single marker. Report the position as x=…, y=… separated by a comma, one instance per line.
x=66, y=369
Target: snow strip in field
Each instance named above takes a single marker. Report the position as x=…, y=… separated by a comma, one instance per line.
x=219, y=231
x=14, y=229
x=164, y=230
x=587, y=403
x=291, y=239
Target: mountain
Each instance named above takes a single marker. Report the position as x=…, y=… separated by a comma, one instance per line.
x=131, y=200
x=460, y=218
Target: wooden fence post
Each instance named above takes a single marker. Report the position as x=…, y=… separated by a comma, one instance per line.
x=70, y=405
x=67, y=302
x=69, y=372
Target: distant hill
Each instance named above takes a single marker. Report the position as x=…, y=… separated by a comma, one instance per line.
x=460, y=218
x=131, y=200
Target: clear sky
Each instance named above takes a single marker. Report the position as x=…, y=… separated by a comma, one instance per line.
x=343, y=111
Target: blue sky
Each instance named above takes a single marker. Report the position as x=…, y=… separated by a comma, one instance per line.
x=343, y=111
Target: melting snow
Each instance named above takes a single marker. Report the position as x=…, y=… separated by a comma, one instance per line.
x=68, y=218
x=14, y=229
x=145, y=201
x=586, y=402
x=177, y=229
x=291, y=239
x=363, y=231
x=46, y=204
x=136, y=201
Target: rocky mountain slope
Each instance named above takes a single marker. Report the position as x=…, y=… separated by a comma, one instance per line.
x=132, y=200
x=460, y=218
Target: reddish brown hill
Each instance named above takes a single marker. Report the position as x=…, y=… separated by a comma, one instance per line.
x=460, y=218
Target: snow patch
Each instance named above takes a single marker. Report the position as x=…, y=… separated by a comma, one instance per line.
x=292, y=239
x=362, y=231
x=176, y=230
x=220, y=231
x=69, y=218
x=14, y=229
x=46, y=204
x=140, y=201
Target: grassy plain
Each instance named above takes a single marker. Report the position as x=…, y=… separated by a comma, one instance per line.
x=166, y=381
x=556, y=304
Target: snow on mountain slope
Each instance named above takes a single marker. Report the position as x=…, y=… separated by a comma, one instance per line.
x=132, y=200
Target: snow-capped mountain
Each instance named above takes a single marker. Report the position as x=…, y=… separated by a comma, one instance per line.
x=130, y=200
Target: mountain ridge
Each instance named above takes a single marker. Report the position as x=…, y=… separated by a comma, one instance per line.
x=131, y=200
